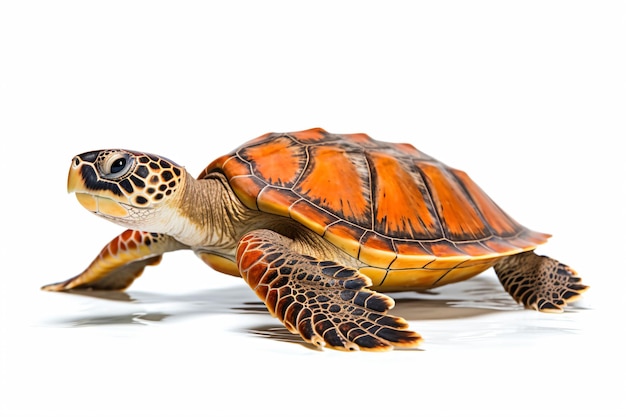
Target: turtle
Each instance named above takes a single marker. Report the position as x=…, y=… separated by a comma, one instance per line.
x=320, y=226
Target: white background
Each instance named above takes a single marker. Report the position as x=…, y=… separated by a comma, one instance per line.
x=527, y=97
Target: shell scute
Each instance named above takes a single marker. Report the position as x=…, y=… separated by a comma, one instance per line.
x=408, y=149
x=310, y=135
x=497, y=220
x=278, y=162
x=361, y=139
x=276, y=201
x=410, y=255
x=443, y=249
x=399, y=279
x=459, y=216
x=377, y=250
x=528, y=240
x=500, y=245
x=324, y=183
x=345, y=236
x=473, y=249
x=235, y=167
x=230, y=165
x=377, y=275
x=308, y=214
x=247, y=189
x=402, y=203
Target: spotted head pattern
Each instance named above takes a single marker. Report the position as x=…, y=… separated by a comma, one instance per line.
x=118, y=183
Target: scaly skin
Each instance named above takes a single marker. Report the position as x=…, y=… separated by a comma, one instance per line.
x=325, y=302
x=121, y=261
x=539, y=282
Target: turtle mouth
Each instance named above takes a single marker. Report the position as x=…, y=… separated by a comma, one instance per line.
x=93, y=200
x=101, y=205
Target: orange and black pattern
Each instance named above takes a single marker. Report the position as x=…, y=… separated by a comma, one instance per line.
x=362, y=193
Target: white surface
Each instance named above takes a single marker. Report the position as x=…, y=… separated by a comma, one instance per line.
x=527, y=97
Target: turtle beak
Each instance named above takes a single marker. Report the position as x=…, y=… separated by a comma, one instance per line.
x=86, y=197
x=82, y=172
x=73, y=177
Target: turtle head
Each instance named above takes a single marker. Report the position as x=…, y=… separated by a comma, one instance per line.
x=129, y=188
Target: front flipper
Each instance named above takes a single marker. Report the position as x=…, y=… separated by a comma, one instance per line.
x=539, y=282
x=325, y=302
x=121, y=261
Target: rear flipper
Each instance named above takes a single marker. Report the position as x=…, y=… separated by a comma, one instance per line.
x=120, y=262
x=539, y=282
x=323, y=301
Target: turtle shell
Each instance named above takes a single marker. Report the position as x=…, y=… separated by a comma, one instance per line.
x=411, y=220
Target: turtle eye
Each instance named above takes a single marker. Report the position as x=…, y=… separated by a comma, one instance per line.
x=116, y=165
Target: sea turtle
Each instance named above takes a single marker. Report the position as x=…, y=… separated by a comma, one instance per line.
x=316, y=224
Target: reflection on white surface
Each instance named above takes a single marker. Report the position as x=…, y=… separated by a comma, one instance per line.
x=215, y=348
x=475, y=313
